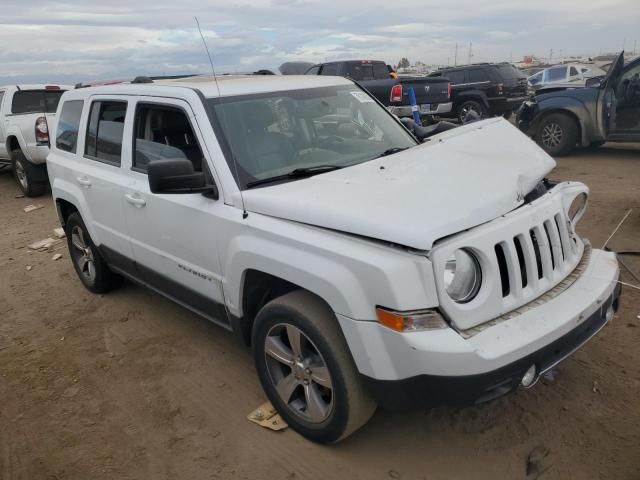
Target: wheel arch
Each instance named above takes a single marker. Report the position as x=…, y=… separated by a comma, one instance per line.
x=475, y=95
x=258, y=289
x=573, y=109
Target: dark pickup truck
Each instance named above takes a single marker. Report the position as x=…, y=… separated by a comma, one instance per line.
x=432, y=94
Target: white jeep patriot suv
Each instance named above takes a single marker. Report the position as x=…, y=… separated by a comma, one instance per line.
x=25, y=114
x=362, y=267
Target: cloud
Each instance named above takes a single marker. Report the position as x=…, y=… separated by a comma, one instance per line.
x=74, y=40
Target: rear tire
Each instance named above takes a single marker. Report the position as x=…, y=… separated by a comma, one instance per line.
x=557, y=134
x=28, y=175
x=470, y=105
x=312, y=381
x=87, y=261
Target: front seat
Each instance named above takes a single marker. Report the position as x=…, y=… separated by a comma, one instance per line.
x=267, y=150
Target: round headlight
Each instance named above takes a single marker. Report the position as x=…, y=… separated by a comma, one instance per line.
x=462, y=276
x=576, y=209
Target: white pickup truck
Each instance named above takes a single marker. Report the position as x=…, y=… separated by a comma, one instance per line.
x=25, y=114
x=363, y=267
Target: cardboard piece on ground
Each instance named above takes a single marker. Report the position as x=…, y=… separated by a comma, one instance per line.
x=59, y=232
x=266, y=416
x=31, y=208
x=46, y=243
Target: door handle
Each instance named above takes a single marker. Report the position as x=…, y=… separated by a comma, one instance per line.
x=135, y=199
x=84, y=181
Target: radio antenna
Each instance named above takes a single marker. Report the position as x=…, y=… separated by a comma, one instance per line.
x=222, y=118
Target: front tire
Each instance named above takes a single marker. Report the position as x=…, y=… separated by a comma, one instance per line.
x=306, y=370
x=557, y=134
x=28, y=175
x=91, y=268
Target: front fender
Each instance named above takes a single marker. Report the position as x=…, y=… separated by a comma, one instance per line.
x=574, y=107
x=352, y=275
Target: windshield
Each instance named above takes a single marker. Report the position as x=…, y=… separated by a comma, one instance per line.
x=275, y=133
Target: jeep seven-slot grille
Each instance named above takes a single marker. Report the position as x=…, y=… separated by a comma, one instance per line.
x=545, y=251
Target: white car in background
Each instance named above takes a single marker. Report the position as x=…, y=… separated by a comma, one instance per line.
x=570, y=75
x=26, y=111
x=363, y=267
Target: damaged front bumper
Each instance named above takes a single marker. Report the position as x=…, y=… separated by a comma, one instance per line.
x=440, y=367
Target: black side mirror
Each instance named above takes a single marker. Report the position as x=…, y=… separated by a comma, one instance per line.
x=176, y=175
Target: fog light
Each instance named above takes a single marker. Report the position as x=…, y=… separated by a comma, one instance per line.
x=610, y=313
x=529, y=376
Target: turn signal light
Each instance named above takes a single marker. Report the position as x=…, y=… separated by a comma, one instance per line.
x=411, y=321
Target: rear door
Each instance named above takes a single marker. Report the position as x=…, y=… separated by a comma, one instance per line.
x=514, y=82
x=94, y=162
x=174, y=237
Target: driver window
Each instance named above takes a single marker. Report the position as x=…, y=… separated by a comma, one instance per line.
x=163, y=131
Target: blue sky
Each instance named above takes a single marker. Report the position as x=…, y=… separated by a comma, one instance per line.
x=64, y=40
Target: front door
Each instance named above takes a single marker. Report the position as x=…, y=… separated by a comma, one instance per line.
x=174, y=237
x=626, y=90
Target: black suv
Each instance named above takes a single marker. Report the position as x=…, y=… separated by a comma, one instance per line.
x=485, y=88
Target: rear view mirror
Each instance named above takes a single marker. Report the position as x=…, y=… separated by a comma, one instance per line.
x=176, y=175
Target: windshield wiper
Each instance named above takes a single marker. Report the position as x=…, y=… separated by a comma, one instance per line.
x=390, y=151
x=296, y=173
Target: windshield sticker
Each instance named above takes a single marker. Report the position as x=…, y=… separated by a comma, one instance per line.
x=362, y=97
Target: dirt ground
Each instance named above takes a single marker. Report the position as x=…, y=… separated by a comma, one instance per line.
x=130, y=386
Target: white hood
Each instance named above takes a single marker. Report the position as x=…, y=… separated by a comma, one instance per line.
x=461, y=178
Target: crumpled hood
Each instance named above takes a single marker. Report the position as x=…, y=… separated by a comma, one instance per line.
x=461, y=178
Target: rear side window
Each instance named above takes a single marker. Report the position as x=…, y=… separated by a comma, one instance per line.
x=36, y=101
x=105, y=129
x=573, y=72
x=509, y=72
x=380, y=70
x=330, y=69
x=477, y=75
x=313, y=70
x=556, y=73
x=163, y=131
x=68, y=125
x=361, y=71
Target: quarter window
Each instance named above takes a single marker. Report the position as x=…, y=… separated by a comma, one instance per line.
x=163, y=131
x=455, y=76
x=68, y=125
x=477, y=75
x=105, y=130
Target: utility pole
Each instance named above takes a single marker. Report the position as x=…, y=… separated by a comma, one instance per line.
x=470, y=53
x=634, y=47
x=455, y=56
x=550, y=56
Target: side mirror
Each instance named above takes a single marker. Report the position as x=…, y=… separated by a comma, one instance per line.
x=593, y=82
x=176, y=175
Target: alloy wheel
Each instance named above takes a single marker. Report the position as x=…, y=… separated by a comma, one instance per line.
x=551, y=135
x=82, y=254
x=299, y=373
x=21, y=175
